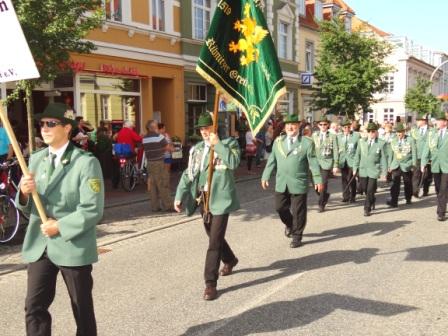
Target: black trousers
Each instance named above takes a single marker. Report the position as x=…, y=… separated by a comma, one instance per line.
x=292, y=211
x=324, y=195
x=368, y=185
x=349, y=192
x=218, y=248
x=41, y=291
x=417, y=179
x=441, y=184
x=396, y=183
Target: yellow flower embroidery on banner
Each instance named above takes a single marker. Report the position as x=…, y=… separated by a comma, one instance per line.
x=253, y=35
x=95, y=185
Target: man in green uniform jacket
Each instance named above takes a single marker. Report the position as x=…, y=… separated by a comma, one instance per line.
x=436, y=151
x=327, y=155
x=370, y=163
x=402, y=160
x=292, y=157
x=347, y=145
x=222, y=201
x=420, y=136
x=70, y=184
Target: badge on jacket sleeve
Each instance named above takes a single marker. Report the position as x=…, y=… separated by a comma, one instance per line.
x=95, y=185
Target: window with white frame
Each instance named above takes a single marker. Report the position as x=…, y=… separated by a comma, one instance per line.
x=388, y=115
x=318, y=10
x=158, y=14
x=370, y=116
x=113, y=10
x=197, y=92
x=309, y=56
x=302, y=7
x=285, y=103
x=105, y=107
x=389, y=81
x=201, y=18
x=284, y=37
x=348, y=23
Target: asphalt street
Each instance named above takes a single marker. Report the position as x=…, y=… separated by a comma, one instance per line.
x=355, y=275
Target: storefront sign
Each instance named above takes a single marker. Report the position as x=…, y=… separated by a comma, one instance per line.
x=306, y=79
x=16, y=61
x=113, y=70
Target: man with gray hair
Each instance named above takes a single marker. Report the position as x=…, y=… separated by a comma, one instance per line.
x=155, y=146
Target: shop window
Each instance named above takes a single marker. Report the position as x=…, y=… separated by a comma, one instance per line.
x=113, y=9
x=197, y=92
x=158, y=14
x=201, y=18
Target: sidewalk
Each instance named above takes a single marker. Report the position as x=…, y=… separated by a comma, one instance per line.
x=117, y=197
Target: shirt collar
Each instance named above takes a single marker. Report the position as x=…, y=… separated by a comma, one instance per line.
x=59, y=152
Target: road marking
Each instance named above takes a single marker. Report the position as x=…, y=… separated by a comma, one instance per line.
x=252, y=304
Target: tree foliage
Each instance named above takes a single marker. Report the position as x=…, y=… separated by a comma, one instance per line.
x=419, y=98
x=349, y=71
x=53, y=29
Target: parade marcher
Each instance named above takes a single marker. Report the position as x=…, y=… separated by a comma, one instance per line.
x=222, y=198
x=370, y=163
x=70, y=185
x=420, y=135
x=387, y=137
x=402, y=160
x=436, y=151
x=155, y=145
x=292, y=156
x=326, y=145
x=347, y=144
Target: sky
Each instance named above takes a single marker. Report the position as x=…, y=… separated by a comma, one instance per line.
x=424, y=22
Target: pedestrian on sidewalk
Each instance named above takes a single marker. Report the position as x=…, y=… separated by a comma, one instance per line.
x=71, y=187
x=328, y=156
x=402, y=160
x=436, y=151
x=370, y=163
x=293, y=155
x=347, y=145
x=222, y=198
x=167, y=156
x=155, y=145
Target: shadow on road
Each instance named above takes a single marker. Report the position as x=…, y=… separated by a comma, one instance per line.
x=378, y=228
x=428, y=253
x=308, y=263
x=284, y=315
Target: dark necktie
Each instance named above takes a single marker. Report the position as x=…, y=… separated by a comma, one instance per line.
x=51, y=166
x=291, y=142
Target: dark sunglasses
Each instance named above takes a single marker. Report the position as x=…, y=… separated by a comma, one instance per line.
x=50, y=124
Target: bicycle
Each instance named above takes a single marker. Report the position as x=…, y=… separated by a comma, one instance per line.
x=9, y=214
x=132, y=174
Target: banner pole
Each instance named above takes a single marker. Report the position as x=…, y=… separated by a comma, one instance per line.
x=21, y=159
x=212, y=154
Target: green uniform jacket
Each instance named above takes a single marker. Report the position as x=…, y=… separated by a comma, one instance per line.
x=327, y=150
x=387, y=138
x=74, y=196
x=404, y=156
x=436, y=152
x=223, y=198
x=420, y=140
x=293, y=165
x=371, y=162
x=347, y=148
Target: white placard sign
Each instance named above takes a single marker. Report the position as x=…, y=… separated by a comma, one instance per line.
x=16, y=61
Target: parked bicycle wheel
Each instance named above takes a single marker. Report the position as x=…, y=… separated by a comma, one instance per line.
x=9, y=219
x=128, y=176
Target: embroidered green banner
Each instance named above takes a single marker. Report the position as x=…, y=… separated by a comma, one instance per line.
x=239, y=59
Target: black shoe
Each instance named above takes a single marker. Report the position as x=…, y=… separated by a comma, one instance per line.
x=441, y=218
x=321, y=209
x=295, y=243
x=425, y=194
x=352, y=200
x=416, y=195
x=367, y=213
x=408, y=201
x=391, y=205
x=288, y=231
x=345, y=200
